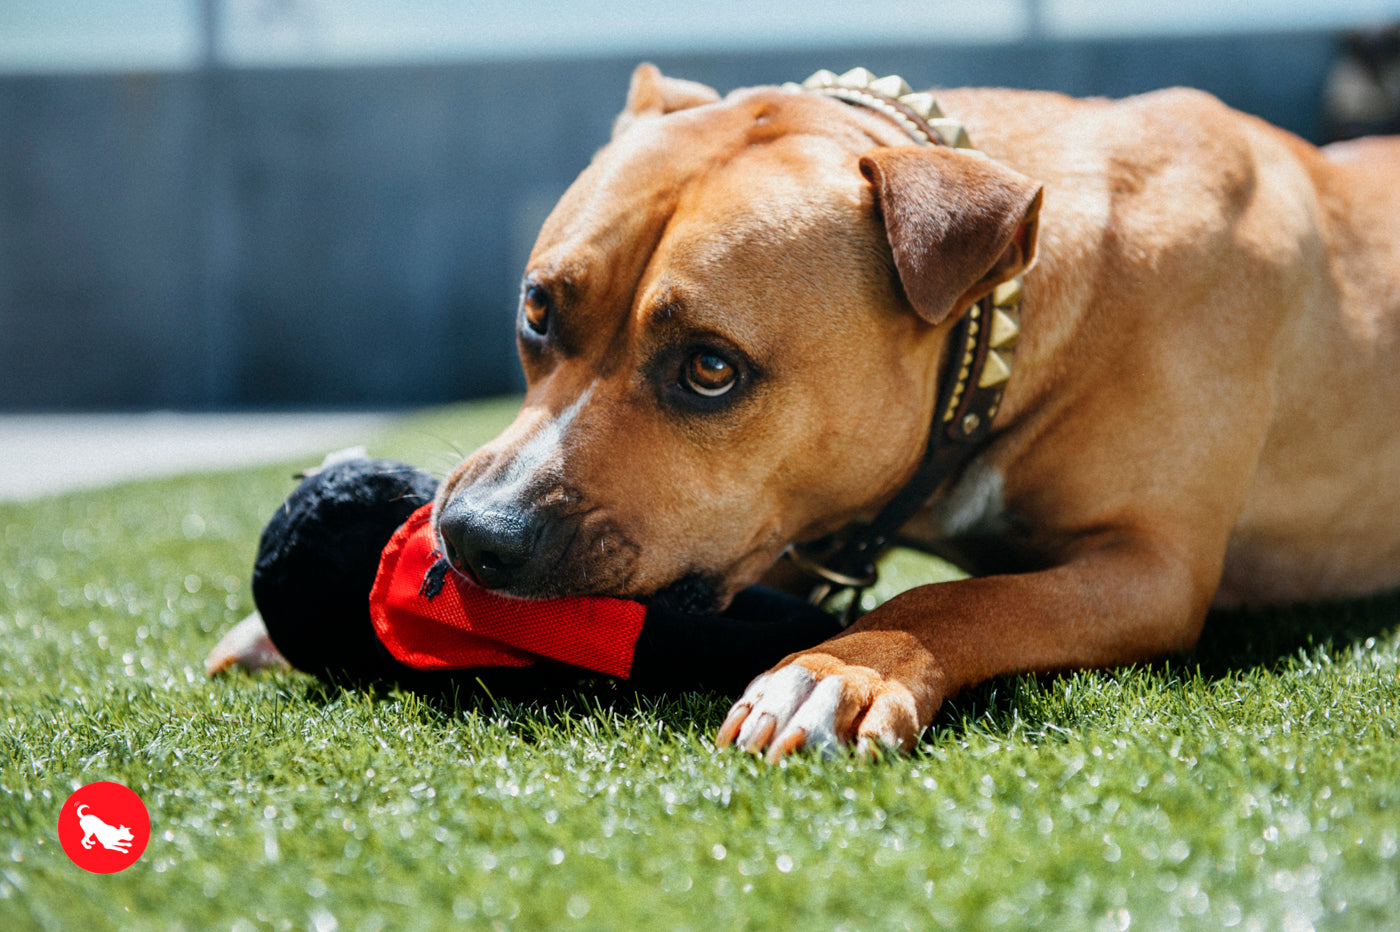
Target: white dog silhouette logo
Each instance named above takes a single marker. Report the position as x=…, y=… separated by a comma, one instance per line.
x=111, y=837
x=104, y=827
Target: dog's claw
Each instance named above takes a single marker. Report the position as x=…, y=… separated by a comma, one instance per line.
x=792, y=740
x=765, y=725
x=732, y=723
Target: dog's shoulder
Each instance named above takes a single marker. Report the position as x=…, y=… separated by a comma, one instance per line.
x=1052, y=135
x=1169, y=171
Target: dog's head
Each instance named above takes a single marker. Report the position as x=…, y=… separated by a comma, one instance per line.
x=731, y=329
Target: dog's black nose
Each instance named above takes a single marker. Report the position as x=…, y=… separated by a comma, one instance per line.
x=489, y=544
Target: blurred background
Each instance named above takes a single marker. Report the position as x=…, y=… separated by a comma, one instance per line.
x=209, y=205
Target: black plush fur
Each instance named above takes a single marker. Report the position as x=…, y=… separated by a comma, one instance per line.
x=318, y=557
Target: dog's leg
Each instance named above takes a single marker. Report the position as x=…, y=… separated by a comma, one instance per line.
x=1120, y=600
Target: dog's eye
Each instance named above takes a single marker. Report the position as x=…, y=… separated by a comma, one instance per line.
x=534, y=305
x=709, y=375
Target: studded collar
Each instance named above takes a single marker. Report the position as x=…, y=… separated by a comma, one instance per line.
x=975, y=372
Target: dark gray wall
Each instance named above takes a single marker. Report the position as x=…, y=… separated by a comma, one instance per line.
x=354, y=236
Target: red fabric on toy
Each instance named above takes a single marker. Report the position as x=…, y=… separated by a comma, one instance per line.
x=431, y=620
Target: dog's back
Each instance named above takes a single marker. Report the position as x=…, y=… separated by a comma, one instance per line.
x=1323, y=517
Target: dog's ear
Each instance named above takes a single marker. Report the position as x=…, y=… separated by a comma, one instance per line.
x=654, y=94
x=958, y=224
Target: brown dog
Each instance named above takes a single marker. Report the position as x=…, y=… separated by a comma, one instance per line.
x=734, y=326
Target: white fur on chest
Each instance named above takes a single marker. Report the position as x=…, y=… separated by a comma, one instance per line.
x=974, y=505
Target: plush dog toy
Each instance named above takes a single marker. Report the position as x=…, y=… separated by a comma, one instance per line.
x=349, y=582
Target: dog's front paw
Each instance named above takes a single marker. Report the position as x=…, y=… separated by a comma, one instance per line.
x=820, y=702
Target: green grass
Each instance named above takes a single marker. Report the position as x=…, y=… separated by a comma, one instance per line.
x=1254, y=784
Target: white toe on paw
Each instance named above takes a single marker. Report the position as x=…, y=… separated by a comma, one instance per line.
x=817, y=717
x=754, y=692
x=773, y=699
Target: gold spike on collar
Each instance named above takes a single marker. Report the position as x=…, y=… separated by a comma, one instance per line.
x=915, y=112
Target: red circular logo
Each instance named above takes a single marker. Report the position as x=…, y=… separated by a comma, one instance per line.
x=104, y=827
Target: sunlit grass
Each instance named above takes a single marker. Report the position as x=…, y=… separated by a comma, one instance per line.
x=1254, y=784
